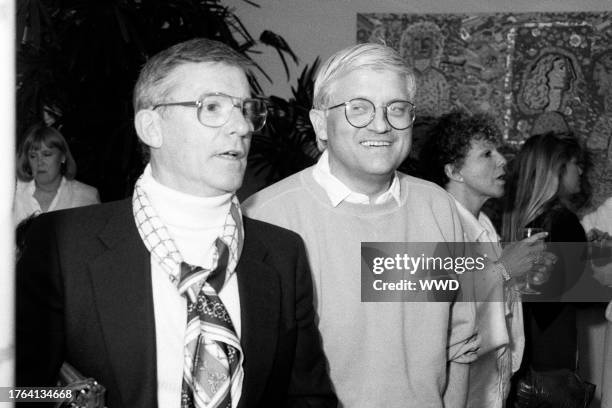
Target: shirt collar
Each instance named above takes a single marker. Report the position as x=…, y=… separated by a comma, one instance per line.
x=31, y=186
x=338, y=192
x=476, y=230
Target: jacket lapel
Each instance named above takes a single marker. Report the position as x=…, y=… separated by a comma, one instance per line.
x=121, y=278
x=259, y=288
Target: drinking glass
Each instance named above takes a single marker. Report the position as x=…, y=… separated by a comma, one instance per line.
x=525, y=288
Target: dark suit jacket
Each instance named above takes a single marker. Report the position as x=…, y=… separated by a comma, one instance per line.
x=84, y=295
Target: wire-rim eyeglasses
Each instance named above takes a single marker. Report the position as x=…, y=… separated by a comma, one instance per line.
x=360, y=112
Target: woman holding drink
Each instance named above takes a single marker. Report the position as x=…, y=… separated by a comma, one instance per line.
x=546, y=176
x=462, y=157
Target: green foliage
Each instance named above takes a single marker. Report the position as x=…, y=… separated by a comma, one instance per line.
x=78, y=60
x=287, y=144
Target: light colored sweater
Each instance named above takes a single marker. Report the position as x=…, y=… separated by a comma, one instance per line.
x=387, y=354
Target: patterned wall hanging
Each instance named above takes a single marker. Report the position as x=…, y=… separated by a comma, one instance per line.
x=532, y=72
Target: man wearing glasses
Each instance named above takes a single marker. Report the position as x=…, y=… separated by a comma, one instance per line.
x=171, y=298
x=385, y=354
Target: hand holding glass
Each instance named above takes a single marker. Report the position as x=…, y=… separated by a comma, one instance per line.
x=525, y=288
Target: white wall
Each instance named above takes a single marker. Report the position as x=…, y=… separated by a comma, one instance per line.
x=321, y=27
x=7, y=122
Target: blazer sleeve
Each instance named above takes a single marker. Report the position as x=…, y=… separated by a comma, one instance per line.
x=39, y=308
x=310, y=385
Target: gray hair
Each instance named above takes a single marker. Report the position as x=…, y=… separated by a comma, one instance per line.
x=152, y=86
x=375, y=57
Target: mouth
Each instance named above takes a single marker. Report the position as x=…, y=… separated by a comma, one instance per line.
x=375, y=143
x=232, y=155
x=501, y=178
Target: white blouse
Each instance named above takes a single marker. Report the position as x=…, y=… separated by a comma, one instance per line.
x=70, y=194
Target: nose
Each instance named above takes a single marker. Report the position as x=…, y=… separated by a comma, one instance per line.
x=380, y=123
x=501, y=160
x=238, y=123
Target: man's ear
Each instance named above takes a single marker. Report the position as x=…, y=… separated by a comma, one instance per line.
x=148, y=128
x=453, y=173
x=319, y=124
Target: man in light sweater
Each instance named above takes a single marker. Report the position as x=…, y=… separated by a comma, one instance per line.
x=171, y=298
x=386, y=354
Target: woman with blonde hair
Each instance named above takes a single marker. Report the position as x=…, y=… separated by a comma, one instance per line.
x=45, y=176
x=545, y=178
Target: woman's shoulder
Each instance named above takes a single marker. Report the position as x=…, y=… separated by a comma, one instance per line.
x=560, y=213
x=84, y=190
x=80, y=185
x=23, y=185
x=562, y=224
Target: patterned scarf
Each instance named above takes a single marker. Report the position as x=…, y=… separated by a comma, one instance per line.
x=212, y=373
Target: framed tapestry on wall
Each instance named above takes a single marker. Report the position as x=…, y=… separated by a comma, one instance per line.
x=532, y=72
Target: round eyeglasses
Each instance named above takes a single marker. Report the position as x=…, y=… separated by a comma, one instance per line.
x=360, y=113
x=214, y=109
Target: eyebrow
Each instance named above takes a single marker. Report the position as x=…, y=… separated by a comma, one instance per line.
x=399, y=98
x=42, y=149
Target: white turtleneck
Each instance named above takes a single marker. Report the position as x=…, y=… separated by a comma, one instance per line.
x=193, y=223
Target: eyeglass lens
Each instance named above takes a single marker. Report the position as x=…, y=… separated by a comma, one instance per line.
x=215, y=111
x=360, y=112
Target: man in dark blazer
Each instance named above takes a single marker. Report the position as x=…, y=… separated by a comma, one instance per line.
x=128, y=292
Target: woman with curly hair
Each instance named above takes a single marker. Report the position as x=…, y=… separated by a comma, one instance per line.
x=462, y=157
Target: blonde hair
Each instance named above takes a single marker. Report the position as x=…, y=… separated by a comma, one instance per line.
x=51, y=137
x=535, y=178
x=375, y=57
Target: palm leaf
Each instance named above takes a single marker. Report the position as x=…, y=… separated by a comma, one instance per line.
x=281, y=47
x=82, y=58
